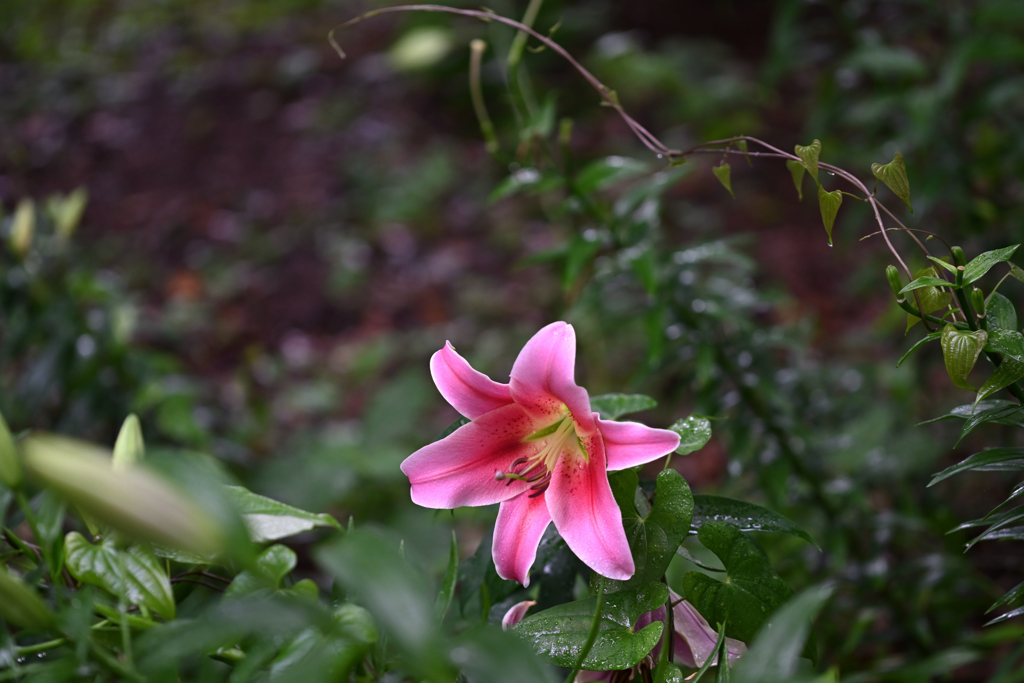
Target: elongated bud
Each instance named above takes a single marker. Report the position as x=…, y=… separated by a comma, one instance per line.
x=129, y=448
x=978, y=302
x=959, y=257
x=132, y=500
x=23, y=227
x=10, y=466
x=20, y=605
x=893, y=274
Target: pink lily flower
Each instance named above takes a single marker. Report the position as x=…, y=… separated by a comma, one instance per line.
x=535, y=446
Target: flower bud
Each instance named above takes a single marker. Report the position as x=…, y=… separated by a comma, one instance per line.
x=10, y=467
x=132, y=500
x=894, y=280
x=959, y=258
x=23, y=227
x=978, y=302
x=129, y=448
x=20, y=605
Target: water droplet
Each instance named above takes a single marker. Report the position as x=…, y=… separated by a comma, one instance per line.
x=661, y=156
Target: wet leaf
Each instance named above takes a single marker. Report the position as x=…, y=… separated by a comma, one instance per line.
x=894, y=175
x=829, y=203
x=744, y=516
x=694, y=433
x=809, y=156
x=1011, y=414
x=925, y=281
x=931, y=298
x=992, y=460
x=560, y=632
x=981, y=264
x=614, y=406
x=270, y=520
x=1000, y=312
x=960, y=350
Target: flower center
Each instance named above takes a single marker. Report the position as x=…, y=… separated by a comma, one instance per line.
x=536, y=469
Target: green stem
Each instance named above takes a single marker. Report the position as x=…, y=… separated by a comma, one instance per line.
x=515, y=53
x=40, y=647
x=909, y=308
x=592, y=636
x=477, y=48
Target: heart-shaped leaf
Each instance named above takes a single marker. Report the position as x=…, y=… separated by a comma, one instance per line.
x=894, y=175
x=722, y=172
x=272, y=565
x=654, y=536
x=960, y=350
x=829, y=203
x=135, y=575
x=809, y=156
x=561, y=632
x=797, y=170
x=745, y=516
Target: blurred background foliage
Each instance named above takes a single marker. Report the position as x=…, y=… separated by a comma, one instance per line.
x=275, y=241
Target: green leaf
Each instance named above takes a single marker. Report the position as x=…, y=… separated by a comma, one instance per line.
x=925, y=282
x=960, y=350
x=751, y=592
x=270, y=520
x=654, y=537
x=694, y=432
x=969, y=409
x=944, y=263
x=129, y=448
x=525, y=179
x=604, y=173
x=745, y=516
x=1002, y=414
x=614, y=406
x=829, y=203
x=809, y=156
x=560, y=632
x=444, y=597
x=981, y=264
x=272, y=566
x=1008, y=343
x=722, y=172
x=1010, y=596
x=20, y=605
x=1009, y=615
x=775, y=652
x=23, y=227
x=894, y=175
x=134, y=575
x=797, y=170
x=1000, y=312
x=1009, y=371
x=931, y=298
x=1016, y=272
x=10, y=466
x=991, y=460
x=920, y=342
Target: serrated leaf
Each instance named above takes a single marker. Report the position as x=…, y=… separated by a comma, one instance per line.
x=809, y=156
x=797, y=170
x=560, y=632
x=960, y=350
x=744, y=516
x=894, y=175
x=270, y=520
x=991, y=460
x=751, y=592
x=1000, y=312
x=694, y=432
x=829, y=203
x=722, y=172
x=654, y=537
x=774, y=655
x=134, y=575
x=920, y=342
x=129, y=447
x=981, y=264
x=614, y=406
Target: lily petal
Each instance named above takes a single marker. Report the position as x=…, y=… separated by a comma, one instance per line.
x=516, y=613
x=517, y=532
x=470, y=392
x=459, y=469
x=585, y=514
x=628, y=444
x=543, y=377
x=695, y=640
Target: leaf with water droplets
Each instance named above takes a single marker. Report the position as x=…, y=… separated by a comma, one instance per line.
x=745, y=516
x=694, y=432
